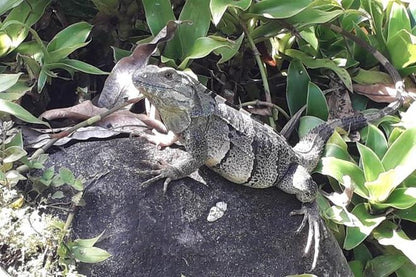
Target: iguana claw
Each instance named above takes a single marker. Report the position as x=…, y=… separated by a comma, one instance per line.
x=164, y=171
x=310, y=214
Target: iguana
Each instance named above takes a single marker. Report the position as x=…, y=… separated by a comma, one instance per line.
x=242, y=150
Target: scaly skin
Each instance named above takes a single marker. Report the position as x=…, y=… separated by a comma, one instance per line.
x=234, y=145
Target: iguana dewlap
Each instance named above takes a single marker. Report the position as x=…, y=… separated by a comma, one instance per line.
x=234, y=145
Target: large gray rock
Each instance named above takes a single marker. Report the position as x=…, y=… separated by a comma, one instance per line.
x=151, y=234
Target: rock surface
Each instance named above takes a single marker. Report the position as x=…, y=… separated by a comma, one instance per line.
x=151, y=234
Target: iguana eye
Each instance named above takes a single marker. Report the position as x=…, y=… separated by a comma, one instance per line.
x=168, y=75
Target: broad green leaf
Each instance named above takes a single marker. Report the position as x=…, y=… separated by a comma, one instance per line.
x=384, y=265
x=316, y=102
x=8, y=80
x=371, y=164
x=314, y=15
x=408, y=269
x=398, y=20
x=90, y=254
x=19, y=112
x=158, y=13
x=297, y=86
x=6, y=5
x=357, y=268
x=13, y=153
x=77, y=65
x=402, y=154
x=118, y=53
x=395, y=134
x=337, y=169
x=307, y=123
x=400, y=198
x=389, y=233
x=204, y=46
x=402, y=49
x=16, y=140
x=86, y=242
x=362, y=253
x=106, y=6
x=71, y=36
x=321, y=63
x=356, y=235
x=228, y=52
x=368, y=77
x=66, y=175
x=279, y=9
x=58, y=195
x=407, y=214
x=27, y=13
x=197, y=12
x=61, y=53
x=376, y=141
x=78, y=185
x=218, y=7
x=382, y=187
x=16, y=91
x=308, y=34
x=341, y=216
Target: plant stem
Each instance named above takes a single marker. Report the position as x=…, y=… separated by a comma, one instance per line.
x=261, y=66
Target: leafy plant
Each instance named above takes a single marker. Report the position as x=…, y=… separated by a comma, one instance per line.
x=384, y=191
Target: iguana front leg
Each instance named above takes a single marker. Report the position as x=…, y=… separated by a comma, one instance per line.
x=178, y=170
x=298, y=181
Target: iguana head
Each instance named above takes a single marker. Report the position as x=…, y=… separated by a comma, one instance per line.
x=176, y=95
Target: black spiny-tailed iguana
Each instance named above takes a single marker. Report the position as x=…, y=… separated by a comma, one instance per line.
x=237, y=147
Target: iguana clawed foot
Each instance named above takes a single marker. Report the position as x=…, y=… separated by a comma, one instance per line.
x=310, y=214
x=161, y=170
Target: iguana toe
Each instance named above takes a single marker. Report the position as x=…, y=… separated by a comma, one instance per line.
x=311, y=215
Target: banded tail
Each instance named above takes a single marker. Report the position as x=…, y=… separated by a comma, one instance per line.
x=310, y=147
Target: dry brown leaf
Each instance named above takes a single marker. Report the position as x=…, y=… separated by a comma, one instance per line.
x=383, y=93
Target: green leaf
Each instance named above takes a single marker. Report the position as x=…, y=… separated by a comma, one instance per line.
x=78, y=185
x=369, y=77
x=27, y=13
x=158, y=13
x=314, y=14
x=205, y=45
x=316, y=102
x=337, y=169
x=402, y=154
x=376, y=140
x=16, y=91
x=307, y=123
x=16, y=140
x=8, y=4
x=13, y=153
x=382, y=187
x=118, y=53
x=197, y=12
x=357, y=268
x=355, y=235
x=58, y=195
x=279, y=9
x=398, y=20
x=321, y=63
x=68, y=40
x=226, y=52
x=19, y=112
x=77, y=65
x=218, y=7
x=90, y=254
x=297, y=86
x=384, y=265
x=362, y=253
x=407, y=214
x=66, y=175
x=400, y=198
x=87, y=242
x=8, y=80
x=389, y=233
x=402, y=49
x=57, y=55
x=371, y=164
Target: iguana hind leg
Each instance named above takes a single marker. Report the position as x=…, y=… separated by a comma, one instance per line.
x=298, y=181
